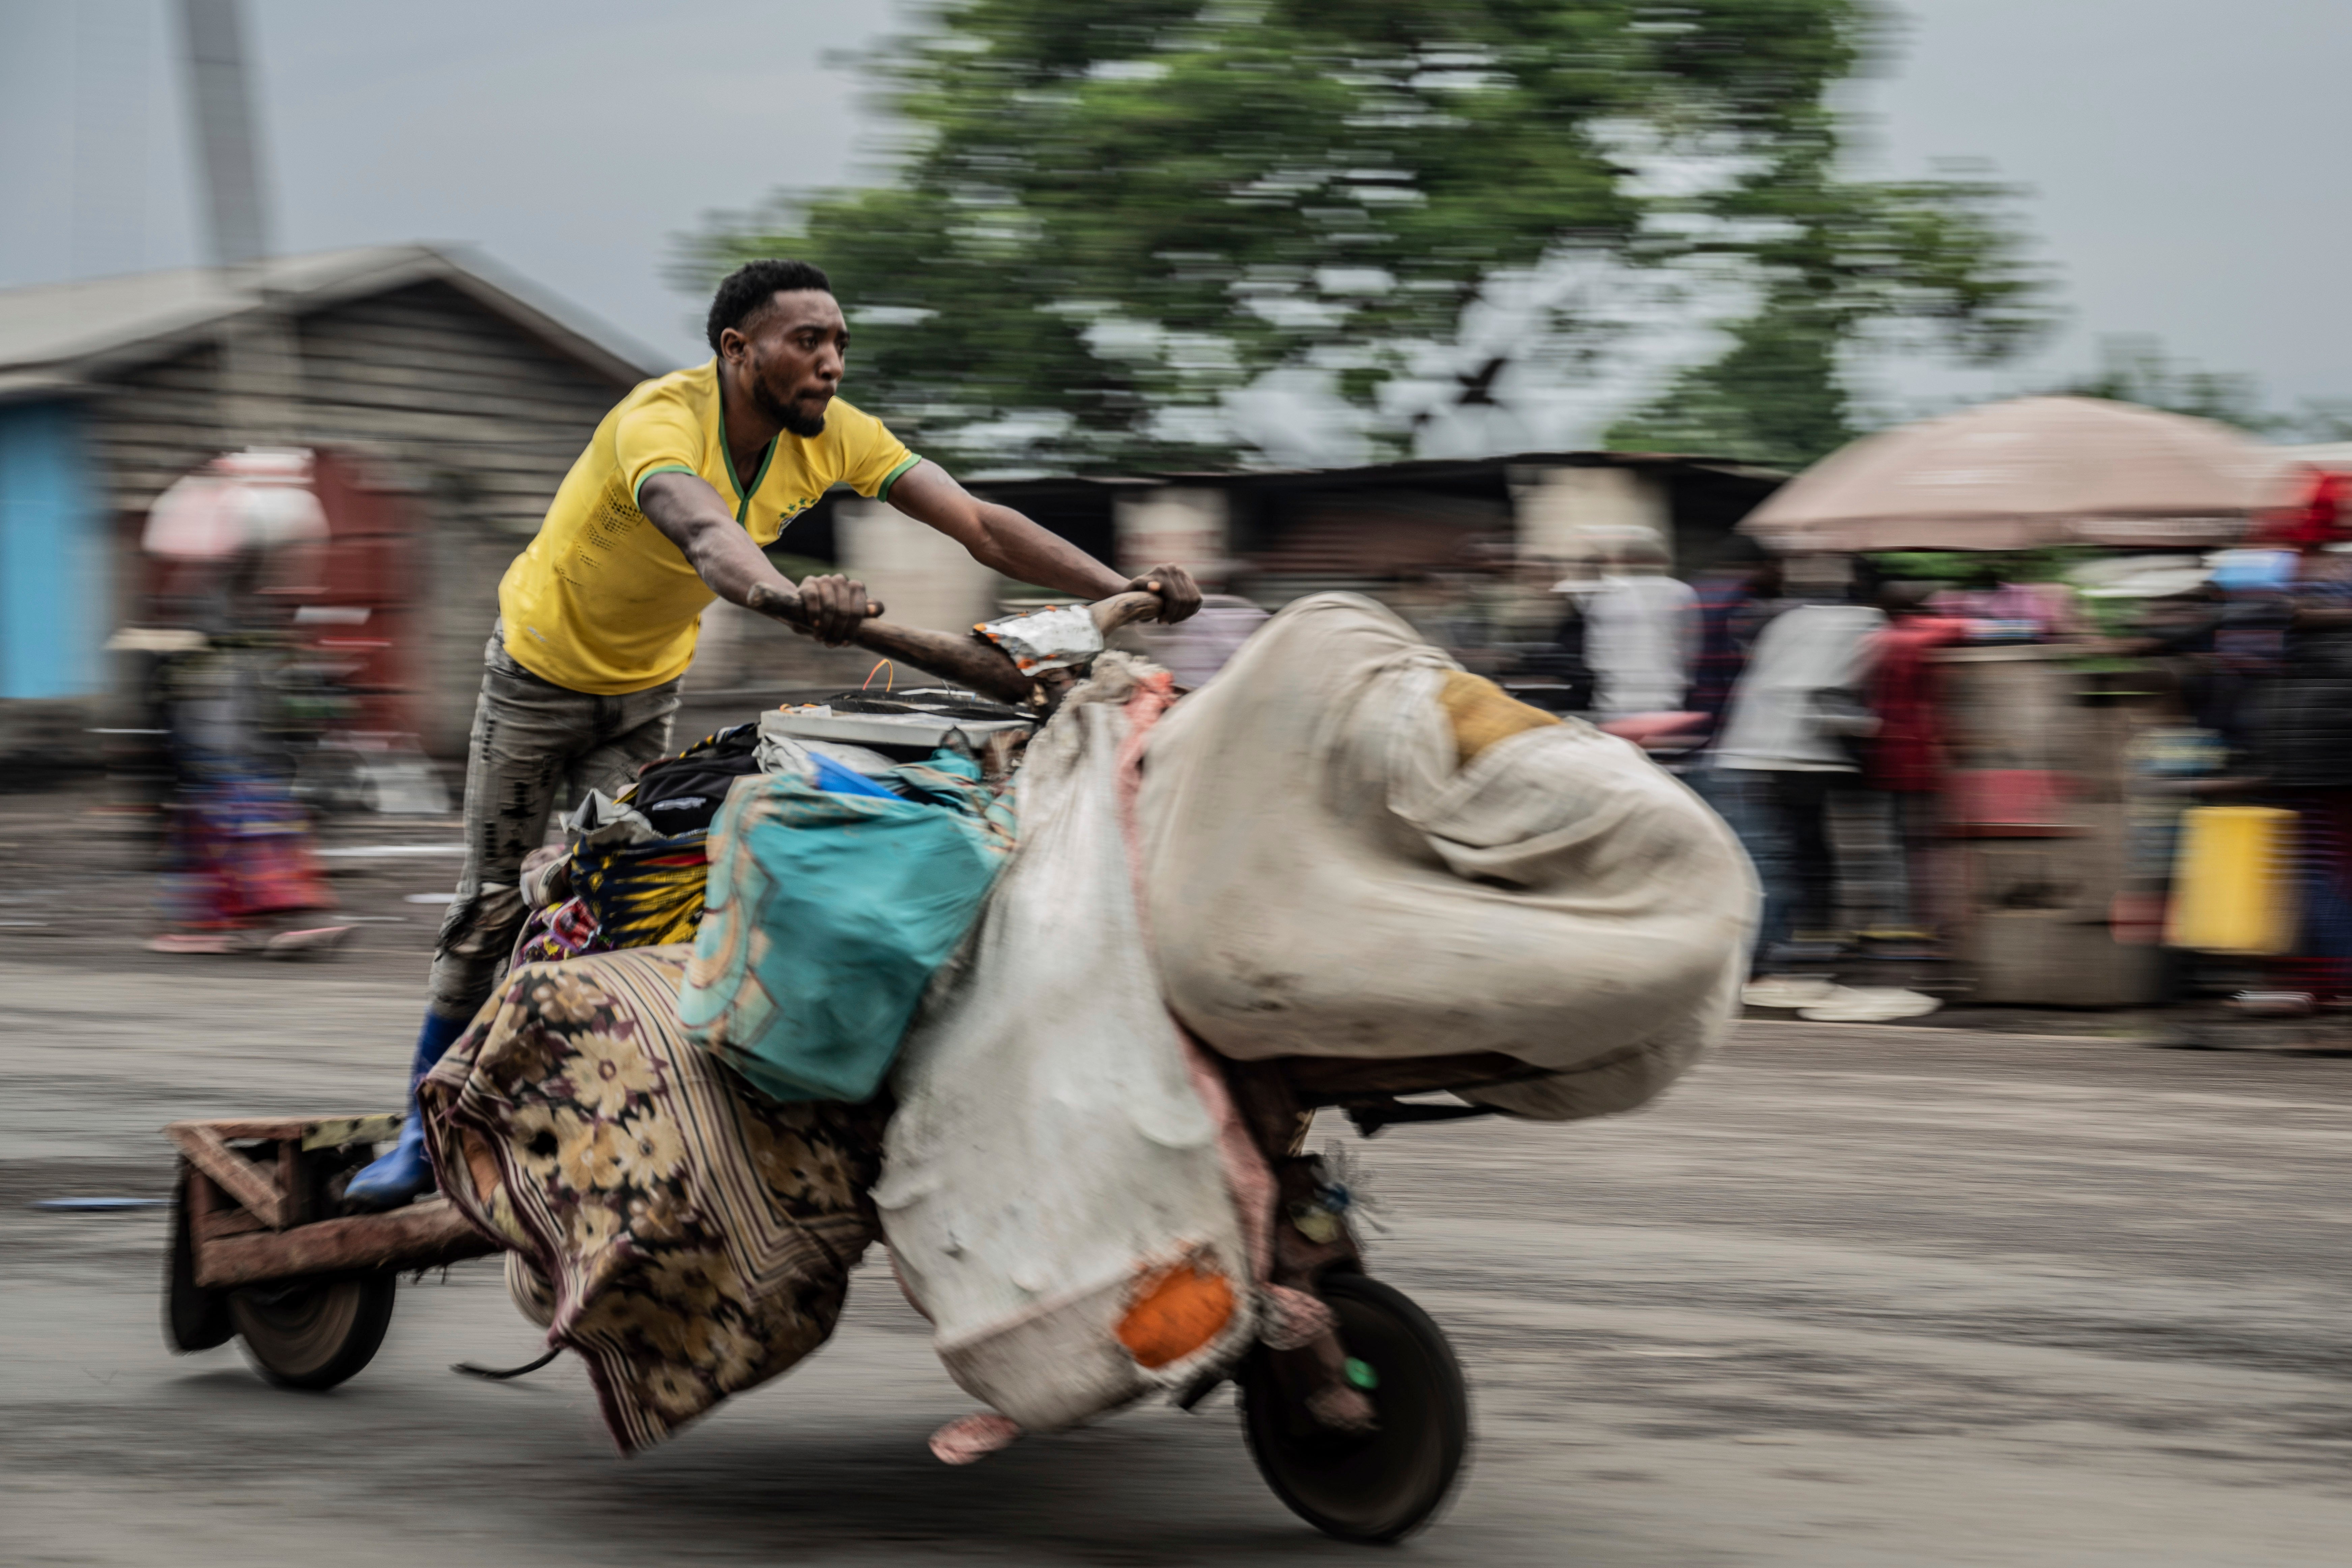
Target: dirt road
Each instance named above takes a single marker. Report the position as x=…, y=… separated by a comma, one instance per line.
x=1849, y=1296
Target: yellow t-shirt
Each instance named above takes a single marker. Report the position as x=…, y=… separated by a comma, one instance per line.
x=600, y=602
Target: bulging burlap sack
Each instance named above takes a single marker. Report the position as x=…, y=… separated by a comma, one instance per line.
x=1336, y=867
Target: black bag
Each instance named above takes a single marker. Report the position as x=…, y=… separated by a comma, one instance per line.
x=682, y=794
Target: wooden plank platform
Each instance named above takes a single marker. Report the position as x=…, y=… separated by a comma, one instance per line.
x=246, y=1209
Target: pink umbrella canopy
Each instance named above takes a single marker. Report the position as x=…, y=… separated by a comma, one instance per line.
x=2016, y=475
x=254, y=499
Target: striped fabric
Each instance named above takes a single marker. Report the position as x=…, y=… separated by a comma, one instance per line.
x=644, y=895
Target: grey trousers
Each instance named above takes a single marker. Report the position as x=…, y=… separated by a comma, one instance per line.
x=537, y=747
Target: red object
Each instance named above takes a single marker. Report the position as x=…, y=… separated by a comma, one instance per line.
x=2136, y=920
x=1907, y=752
x=2008, y=803
x=237, y=852
x=2315, y=521
x=372, y=564
x=1648, y=730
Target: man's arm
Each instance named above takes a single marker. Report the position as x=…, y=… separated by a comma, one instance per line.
x=1004, y=541
x=690, y=515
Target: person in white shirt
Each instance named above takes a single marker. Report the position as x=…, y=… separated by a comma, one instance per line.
x=1638, y=634
x=1787, y=742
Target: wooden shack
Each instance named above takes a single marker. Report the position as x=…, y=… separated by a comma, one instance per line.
x=429, y=372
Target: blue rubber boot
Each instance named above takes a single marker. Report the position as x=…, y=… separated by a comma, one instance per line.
x=404, y=1174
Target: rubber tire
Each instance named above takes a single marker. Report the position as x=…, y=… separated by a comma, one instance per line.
x=1379, y=1486
x=193, y=1318
x=313, y=1334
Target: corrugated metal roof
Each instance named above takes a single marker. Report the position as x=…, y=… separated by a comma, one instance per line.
x=56, y=336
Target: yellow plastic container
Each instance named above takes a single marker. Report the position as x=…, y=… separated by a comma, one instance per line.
x=2232, y=881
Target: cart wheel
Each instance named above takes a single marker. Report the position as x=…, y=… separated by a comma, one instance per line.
x=193, y=1318
x=1377, y=1486
x=313, y=1334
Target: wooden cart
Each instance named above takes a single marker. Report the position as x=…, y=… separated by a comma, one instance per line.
x=259, y=1253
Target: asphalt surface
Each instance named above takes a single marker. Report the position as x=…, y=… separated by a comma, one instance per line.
x=1847, y=1296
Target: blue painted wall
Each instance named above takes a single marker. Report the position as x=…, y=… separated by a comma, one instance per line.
x=53, y=556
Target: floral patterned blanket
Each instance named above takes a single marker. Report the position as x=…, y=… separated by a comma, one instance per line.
x=686, y=1237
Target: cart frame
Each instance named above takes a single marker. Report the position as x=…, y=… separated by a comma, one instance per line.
x=253, y=1206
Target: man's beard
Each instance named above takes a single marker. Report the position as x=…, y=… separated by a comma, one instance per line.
x=791, y=415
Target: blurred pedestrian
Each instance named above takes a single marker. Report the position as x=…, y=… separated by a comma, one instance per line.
x=230, y=542
x=2248, y=639
x=2171, y=763
x=1731, y=601
x=1638, y=634
x=240, y=867
x=2302, y=743
x=1789, y=740
x=1905, y=759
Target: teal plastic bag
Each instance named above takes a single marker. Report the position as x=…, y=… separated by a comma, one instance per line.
x=826, y=917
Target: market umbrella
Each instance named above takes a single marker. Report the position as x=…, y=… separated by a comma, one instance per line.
x=255, y=499
x=2015, y=474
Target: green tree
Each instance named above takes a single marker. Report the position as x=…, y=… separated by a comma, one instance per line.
x=2135, y=368
x=1106, y=216
x=1918, y=265
x=1774, y=396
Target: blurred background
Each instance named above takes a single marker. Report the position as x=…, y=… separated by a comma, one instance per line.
x=1922, y=426
x=1506, y=316
x=1453, y=304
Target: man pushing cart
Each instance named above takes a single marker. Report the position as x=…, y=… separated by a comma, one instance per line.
x=669, y=508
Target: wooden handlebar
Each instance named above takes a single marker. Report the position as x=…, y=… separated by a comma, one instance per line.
x=965, y=660
x=986, y=668
x=1123, y=610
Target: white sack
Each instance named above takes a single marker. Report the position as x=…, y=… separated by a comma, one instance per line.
x=1323, y=880
x=1049, y=1150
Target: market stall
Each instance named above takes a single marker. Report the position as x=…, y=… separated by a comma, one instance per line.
x=2032, y=798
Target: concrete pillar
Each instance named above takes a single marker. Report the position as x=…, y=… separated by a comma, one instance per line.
x=1574, y=514
x=1189, y=528
x=922, y=577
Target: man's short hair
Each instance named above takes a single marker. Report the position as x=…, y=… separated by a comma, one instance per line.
x=744, y=292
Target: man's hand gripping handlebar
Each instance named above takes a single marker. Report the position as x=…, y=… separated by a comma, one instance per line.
x=966, y=660
x=829, y=608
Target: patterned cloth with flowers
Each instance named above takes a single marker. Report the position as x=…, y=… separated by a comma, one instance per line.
x=686, y=1237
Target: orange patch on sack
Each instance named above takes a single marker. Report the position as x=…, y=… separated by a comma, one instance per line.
x=1175, y=1311
x=1482, y=713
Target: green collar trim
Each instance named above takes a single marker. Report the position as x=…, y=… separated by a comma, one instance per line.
x=743, y=493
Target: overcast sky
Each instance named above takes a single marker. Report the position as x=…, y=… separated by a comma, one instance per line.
x=2186, y=156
